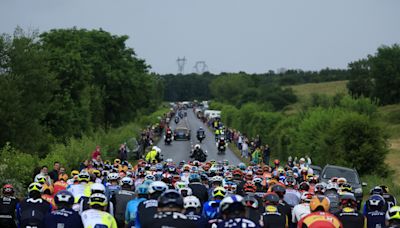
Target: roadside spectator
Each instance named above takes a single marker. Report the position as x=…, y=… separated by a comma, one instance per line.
x=240, y=141
x=256, y=156
x=96, y=153
x=55, y=172
x=44, y=172
x=266, y=153
x=122, y=153
x=245, y=150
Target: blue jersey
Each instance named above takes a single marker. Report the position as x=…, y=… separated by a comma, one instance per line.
x=63, y=218
x=375, y=219
x=211, y=209
x=197, y=218
x=131, y=209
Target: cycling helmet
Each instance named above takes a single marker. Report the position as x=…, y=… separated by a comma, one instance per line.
x=170, y=198
x=249, y=187
x=180, y=184
x=97, y=173
x=64, y=197
x=126, y=181
x=8, y=189
x=150, y=177
x=83, y=176
x=41, y=180
x=319, y=203
x=279, y=190
x=112, y=177
x=319, y=188
x=47, y=189
x=230, y=187
x=377, y=190
x=63, y=177
x=385, y=188
x=74, y=173
x=191, y=202
x=147, y=182
x=98, y=199
x=185, y=191
x=348, y=200
x=250, y=201
x=306, y=196
x=231, y=203
x=332, y=186
x=376, y=202
x=157, y=186
x=257, y=180
x=142, y=189
x=204, y=177
x=219, y=192
x=304, y=186
x=271, y=198
x=290, y=181
x=341, y=180
x=197, y=146
x=394, y=213
x=97, y=188
x=194, y=177
x=35, y=186
x=217, y=179
x=346, y=187
x=242, y=166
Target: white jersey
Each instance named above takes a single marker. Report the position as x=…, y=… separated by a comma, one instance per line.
x=95, y=218
x=299, y=211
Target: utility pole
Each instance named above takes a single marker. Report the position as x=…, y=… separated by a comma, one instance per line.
x=181, y=64
x=200, y=67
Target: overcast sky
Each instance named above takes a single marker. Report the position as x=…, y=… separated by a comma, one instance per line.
x=230, y=35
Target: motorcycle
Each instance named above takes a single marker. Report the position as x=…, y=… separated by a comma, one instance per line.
x=176, y=120
x=199, y=157
x=201, y=138
x=221, y=148
x=168, y=140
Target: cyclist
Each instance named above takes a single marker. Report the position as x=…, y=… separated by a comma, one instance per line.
x=8, y=206
x=349, y=215
x=148, y=208
x=96, y=215
x=64, y=216
x=283, y=207
x=389, y=199
x=375, y=211
x=32, y=210
x=95, y=188
x=233, y=213
x=332, y=193
x=170, y=207
x=121, y=199
x=211, y=208
x=393, y=217
x=132, y=206
x=272, y=217
x=192, y=210
x=319, y=217
x=302, y=209
x=252, y=208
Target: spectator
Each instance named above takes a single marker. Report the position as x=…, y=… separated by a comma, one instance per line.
x=44, y=171
x=245, y=150
x=266, y=153
x=96, y=153
x=122, y=154
x=55, y=172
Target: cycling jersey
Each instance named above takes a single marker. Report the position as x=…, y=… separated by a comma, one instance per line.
x=286, y=210
x=168, y=219
x=236, y=223
x=63, y=218
x=79, y=190
x=272, y=217
x=93, y=218
x=211, y=209
x=111, y=190
x=197, y=218
x=84, y=205
x=8, y=206
x=351, y=218
x=300, y=211
x=131, y=209
x=375, y=219
x=31, y=212
x=120, y=201
x=390, y=200
x=145, y=212
x=200, y=191
x=253, y=214
x=334, y=200
x=319, y=220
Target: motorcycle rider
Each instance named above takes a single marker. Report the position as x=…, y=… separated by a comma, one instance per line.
x=168, y=135
x=169, y=212
x=221, y=144
x=32, y=210
x=201, y=134
x=96, y=216
x=198, y=154
x=153, y=156
x=8, y=206
x=64, y=216
x=349, y=215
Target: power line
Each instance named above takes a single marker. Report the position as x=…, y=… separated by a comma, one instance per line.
x=181, y=64
x=200, y=67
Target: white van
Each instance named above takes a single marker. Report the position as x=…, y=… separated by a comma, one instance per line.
x=212, y=114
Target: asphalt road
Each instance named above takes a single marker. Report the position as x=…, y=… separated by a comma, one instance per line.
x=180, y=150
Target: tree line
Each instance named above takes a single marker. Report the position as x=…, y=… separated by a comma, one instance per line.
x=67, y=82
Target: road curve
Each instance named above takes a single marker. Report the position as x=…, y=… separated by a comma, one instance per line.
x=179, y=150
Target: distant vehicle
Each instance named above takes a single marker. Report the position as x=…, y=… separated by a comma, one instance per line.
x=351, y=176
x=317, y=170
x=181, y=133
x=212, y=114
x=133, y=149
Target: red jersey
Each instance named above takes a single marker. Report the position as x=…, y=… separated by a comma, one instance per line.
x=319, y=220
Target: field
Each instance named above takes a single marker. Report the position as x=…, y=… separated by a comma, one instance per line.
x=389, y=117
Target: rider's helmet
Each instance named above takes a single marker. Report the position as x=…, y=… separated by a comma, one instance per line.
x=98, y=199
x=157, y=186
x=35, y=186
x=150, y=177
x=217, y=180
x=170, y=198
x=41, y=179
x=279, y=190
x=113, y=177
x=74, y=173
x=385, y=189
x=304, y=186
x=346, y=187
x=95, y=172
x=250, y=201
x=376, y=190
x=340, y=181
x=242, y=166
x=191, y=202
x=319, y=188
x=64, y=198
x=180, y=184
x=231, y=204
x=126, y=181
x=8, y=189
x=84, y=176
x=117, y=161
x=219, y=192
x=249, y=187
x=394, y=213
x=332, y=186
x=142, y=190
x=230, y=187
x=194, y=177
x=197, y=146
x=97, y=188
x=319, y=203
x=306, y=196
x=271, y=198
x=348, y=200
x=186, y=191
x=375, y=203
